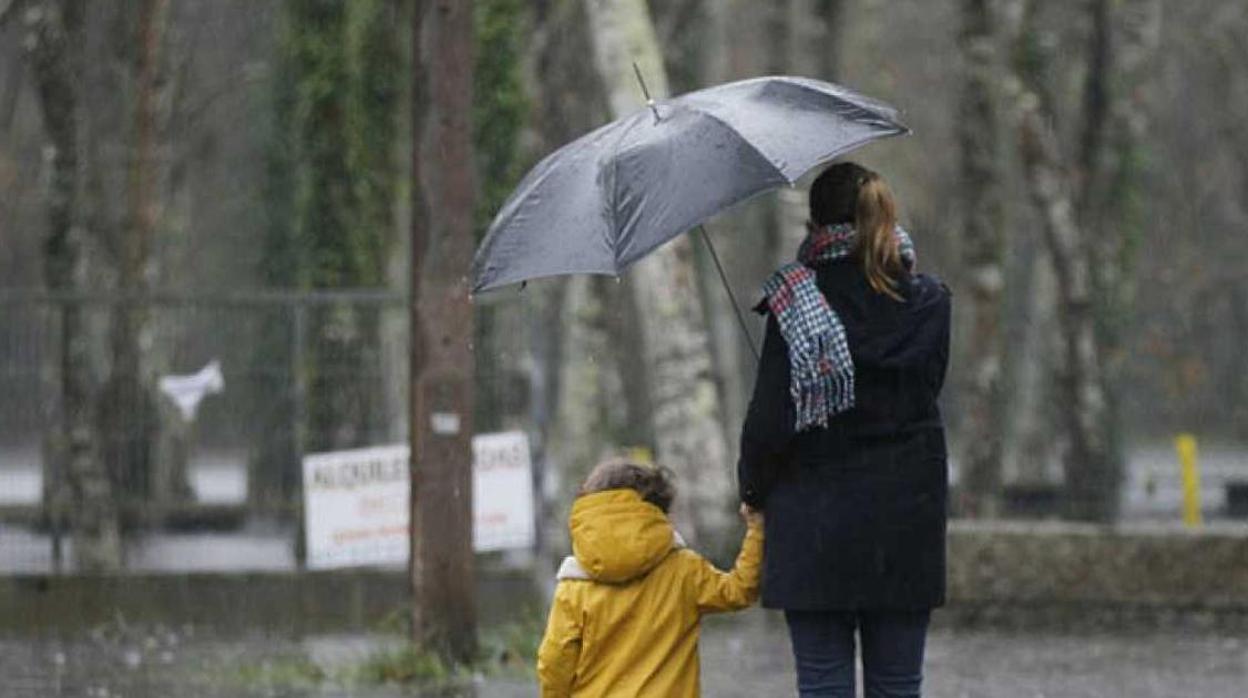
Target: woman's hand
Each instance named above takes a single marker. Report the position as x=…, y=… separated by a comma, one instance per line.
x=750, y=515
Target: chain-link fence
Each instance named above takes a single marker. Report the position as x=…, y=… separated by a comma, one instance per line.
x=194, y=410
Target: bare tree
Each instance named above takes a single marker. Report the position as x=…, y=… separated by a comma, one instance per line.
x=54, y=44
x=684, y=397
x=130, y=409
x=983, y=241
x=1080, y=228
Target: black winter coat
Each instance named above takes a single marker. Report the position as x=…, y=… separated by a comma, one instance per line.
x=856, y=512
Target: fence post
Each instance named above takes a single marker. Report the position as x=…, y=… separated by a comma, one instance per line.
x=298, y=436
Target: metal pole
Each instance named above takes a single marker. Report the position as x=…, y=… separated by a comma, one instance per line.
x=299, y=430
x=723, y=278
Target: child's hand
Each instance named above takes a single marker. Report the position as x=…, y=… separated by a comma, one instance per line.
x=751, y=516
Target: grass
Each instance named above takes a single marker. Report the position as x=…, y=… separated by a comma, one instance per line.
x=505, y=650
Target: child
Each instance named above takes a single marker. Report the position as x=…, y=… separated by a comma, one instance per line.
x=625, y=618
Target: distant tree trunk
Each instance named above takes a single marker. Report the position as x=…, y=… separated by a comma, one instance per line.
x=332, y=203
x=54, y=42
x=1125, y=39
x=1090, y=216
x=275, y=398
x=746, y=238
x=1092, y=474
x=1030, y=451
x=808, y=52
x=499, y=113
x=983, y=238
x=582, y=428
x=1237, y=382
x=687, y=429
x=814, y=32
x=566, y=335
x=694, y=60
x=130, y=410
x=1092, y=481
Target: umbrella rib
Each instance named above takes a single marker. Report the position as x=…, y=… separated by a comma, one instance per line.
x=615, y=195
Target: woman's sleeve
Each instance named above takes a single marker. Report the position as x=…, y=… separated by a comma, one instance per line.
x=768, y=422
x=561, y=646
x=941, y=359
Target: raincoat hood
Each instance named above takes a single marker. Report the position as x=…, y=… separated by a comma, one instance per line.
x=617, y=536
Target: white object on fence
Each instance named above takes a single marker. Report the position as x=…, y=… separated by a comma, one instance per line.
x=357, y=502
x=187, y=391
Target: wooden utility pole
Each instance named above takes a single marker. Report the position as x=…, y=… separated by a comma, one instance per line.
x=442, y=576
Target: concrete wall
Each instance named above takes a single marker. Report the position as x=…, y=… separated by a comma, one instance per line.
x=277, y=602
x=999, y=573
x=1093, y=576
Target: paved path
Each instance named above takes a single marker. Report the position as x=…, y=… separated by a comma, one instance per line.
x=744, y=655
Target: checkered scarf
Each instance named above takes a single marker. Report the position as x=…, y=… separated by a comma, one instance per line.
x=822, y=370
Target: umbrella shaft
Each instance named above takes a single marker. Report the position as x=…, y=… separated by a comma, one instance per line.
x=723, y=278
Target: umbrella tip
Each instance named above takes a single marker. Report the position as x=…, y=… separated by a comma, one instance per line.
x=646, y=92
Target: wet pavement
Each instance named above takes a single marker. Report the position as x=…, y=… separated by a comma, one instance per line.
x=743, y=655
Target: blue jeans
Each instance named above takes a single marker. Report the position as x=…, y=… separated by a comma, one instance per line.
x=892, y=652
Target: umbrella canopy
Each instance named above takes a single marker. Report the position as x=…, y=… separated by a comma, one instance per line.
x=608, y=198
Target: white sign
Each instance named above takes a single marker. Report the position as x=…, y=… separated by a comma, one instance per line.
x=502, y=492
x=356, y=503
x=356, y=507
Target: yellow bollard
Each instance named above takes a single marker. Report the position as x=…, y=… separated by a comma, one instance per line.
x=1185, y=444
x=640, y=455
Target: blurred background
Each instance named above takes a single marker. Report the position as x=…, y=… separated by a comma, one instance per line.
x=193, y=182
x=222, y=191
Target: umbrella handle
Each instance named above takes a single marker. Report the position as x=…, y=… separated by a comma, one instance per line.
x=723, y=278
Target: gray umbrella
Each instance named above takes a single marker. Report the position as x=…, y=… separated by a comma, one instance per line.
x=608, y=198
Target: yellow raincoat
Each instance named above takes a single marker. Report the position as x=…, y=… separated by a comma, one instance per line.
x=624, y=622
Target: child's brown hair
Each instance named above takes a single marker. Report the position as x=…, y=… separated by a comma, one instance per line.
x=653, y=482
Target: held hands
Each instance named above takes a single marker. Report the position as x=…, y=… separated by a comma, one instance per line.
x=750, y=515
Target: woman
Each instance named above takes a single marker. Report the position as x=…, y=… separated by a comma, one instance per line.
x=843, y=446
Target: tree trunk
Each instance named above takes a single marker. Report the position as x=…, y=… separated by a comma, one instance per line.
x=332, y=202
x=1237, y=381
x=130, y=409
x=814, y=32
x=746, y=239
x=1092, y=481
x=1114, y=179
x=1087, y=219
x=582, y=432
x=566, y=334
x=685, y=401
x=982, y=251
x=807, y=51
x=55, y=39
x=1034, y=439
x=442, y=562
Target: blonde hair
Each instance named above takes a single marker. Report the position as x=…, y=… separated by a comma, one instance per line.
x=875, y=218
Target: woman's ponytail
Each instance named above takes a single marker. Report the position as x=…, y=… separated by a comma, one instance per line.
x=875, y=218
